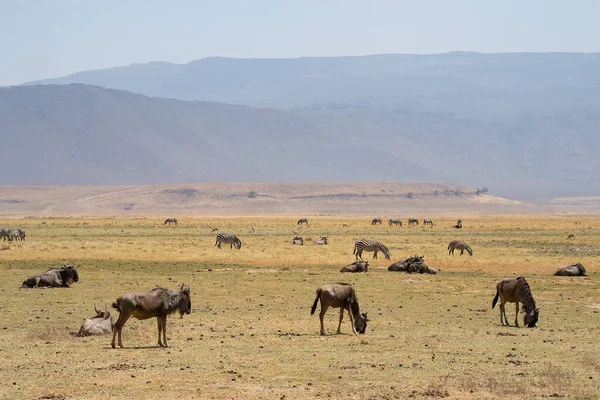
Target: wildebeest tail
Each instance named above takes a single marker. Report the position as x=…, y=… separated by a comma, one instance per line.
x=314, y=307
x=495, y=300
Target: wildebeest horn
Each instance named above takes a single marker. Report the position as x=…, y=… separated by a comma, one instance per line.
x=181, y=288
x=96, y=309
x=538, y=309
x=106, y=306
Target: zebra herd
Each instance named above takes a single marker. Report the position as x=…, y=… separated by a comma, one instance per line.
x=12, y=234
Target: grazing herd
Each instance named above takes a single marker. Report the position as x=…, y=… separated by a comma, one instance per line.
x=161, y=302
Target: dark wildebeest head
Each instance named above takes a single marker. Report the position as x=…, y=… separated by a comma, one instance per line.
x=572, y=270
x=342, y=295
x=159, y=303
x=356, y=266
x=100, y=324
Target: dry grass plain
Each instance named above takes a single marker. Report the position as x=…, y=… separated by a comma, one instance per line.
x=251, y=335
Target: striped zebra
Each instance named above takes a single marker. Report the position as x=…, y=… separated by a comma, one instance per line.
x=459, y=245
x=4, y=233
x=21, y=234
x=395, y=222
x=230, y=239
x=370, y=245
x=413, y=221
x=13, y=234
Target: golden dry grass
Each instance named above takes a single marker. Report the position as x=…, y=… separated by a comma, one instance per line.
x=251, y=334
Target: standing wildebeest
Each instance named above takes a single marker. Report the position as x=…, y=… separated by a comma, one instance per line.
x=101, y=324
x=396, y=222
x=159, y=303
x=413, y=221
x=376, y=221
x=321, y=242
x=515, y=291
x=54, y=277
x=356, y=266
x=458, y=224
x=427, y=221
x=298, y=240
x=230, y=239
x=572, y=270
x=370, y=245
x=171, y=221
x=303, y=221
x=340, y=295
x=459, y=245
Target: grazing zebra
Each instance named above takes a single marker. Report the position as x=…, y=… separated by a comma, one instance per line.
x=395, y=222
x=171, y=221
x=21, y=234
x=321, y=242
x=413, y=221
x=303, y=221
x=230, y=239
x=4, y=233
x=459, y=245
x=370, y=245
x=427, y=221
x=458, y=224
x=376, y=221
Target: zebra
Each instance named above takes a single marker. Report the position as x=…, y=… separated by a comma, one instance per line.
x=21, y=234
x=230, y=239
x=459, y=245
x=4, y=233
x=395, y=222
x=13, y=234
x=303, y=221
x=376, y=221
x=427, y=221
x=413, y=221
x=370, y=245
x=170, y=221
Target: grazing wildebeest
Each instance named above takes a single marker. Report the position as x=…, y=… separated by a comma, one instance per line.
x=515, y=291
x=459, y=245
x=321, y=242
x=427, y=221
x=340, y=295
x=356, y=266
x=230, y=239
x=54, y=277
x=412, y=264
x=572, y=270
x=303, y=221
x=100, y=324
x=413, y=221
x=171, y=221
x=376, y=221
x=298, y=241
x=458, y=224
x=370, y=245
x=159, y=303
x=571, y=236
x=393, y=221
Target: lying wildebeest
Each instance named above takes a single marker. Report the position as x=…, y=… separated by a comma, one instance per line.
x=100, y=324
x=572, y=270
x=376, y=221
x=340, y=295
x=459, y=245
x=298, y=240
x=54, y=277
x=303, y=221
x=515, y=291
x=159, y=303
x=458, y=224
x=412, y=264
x=171, y=221
x=356, y=266
x=322, y=241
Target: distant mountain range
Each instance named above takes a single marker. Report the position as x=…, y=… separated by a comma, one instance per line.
x=524, y=125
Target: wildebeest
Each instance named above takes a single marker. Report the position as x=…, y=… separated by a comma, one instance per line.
x=393, y=221
x=340, y=295
x=159, y=303
x=356, y=266
x=458, y=224
x=100, y=324
x=411, y=265
x=572, y=270
x=376, y=221
x=230, y=239
x=54, y=277
x=298, y=241
x=321, y=242
x=303, y=221
x=171, y=221
x=370, y=245
x=413, y=221
x=459, y=245
x=427, y=221
x=515, y=291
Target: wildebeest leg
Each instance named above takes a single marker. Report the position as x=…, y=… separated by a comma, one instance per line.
x=164, y=324
x=351, y=319
x=342, y=309
x=462, y=251
x=321, y=316
x=36, y=282
x=503, y=313
x=517, y=316
x=160, y=328
x=118, y=328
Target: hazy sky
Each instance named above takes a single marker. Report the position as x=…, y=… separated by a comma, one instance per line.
x=49, y=38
